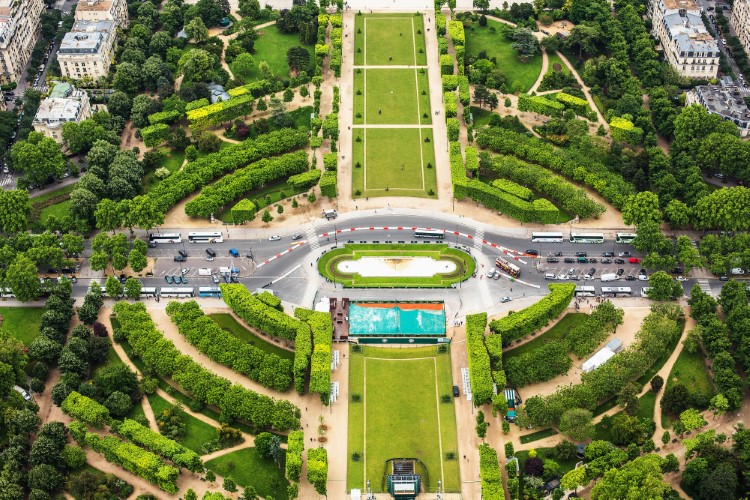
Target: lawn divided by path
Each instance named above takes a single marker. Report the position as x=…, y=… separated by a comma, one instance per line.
x=401, y=411
x=392, y=97
x=247, y=468
x=228, y=323
x=391, y=40
x=197, y=432
x=272, y=46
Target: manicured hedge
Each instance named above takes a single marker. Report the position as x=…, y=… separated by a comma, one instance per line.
x=513, y=188
x=580, y=106
x=440, y=24
x=472, y=158
x=161, y=445
x=536, y=316
x=539, y=210
x=570, y=197
x=259, y=315
x=328, y=185
x=255, y=89
x=270, y=300
x=454, y=128
x=480, y=370
x=543, y=363
x=219, y=345
x=305, y=180
x=160, y=356
x=222, y=111
x=320, y=365
x=442, y=46
x=243, y=210
x=214, y=197
x=168, y=117
x=199, y=103
x=451, y=108
x=202, y=171
x=153, y=135
x=85, y=409
x=489, y=473
x=137, y=460
x=450, y=83
x=456, y=32
x=317, y=469
x=303, y=348
x=458, y=171
x=330, y=161
x=463, y=90
x=589, y=171
x=539, y=104
x=446, y=64
x=623, y=130
x=295, y=445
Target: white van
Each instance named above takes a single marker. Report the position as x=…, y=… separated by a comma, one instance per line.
x=330, y=214
x=609, y=277
x=737, y=270
x=550, y=276
x=204, y=271
x=25, y=395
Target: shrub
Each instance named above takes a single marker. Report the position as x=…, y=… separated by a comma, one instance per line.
x=446, y=64
x=454, y=128
x=451, y=108
x=580, y=106
x=539, y=104
x=305, y=180
x=320, y=365
x=512, y=188
x=154, y=135
x=489, y=473
x=85, y=409
x=330, y=161
x=295, y=447
x=243, y=210
x=219, y=112
x=168, y=117
x=161, y=445
x=539, y=210
x=479, y=359
x=472, y=159
x=463, y=90
x=328, y=185
x=622, y=129
x=450, y=82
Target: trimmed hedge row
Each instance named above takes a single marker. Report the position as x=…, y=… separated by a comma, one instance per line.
x=161, y=357
x=622, y=129
x=570, y=197
x=458, y=171
x=320, y=364
x=243, y=210
x=85, y=409
x=202, y=171
x=539, y=104
x=161, y=445
x=539, y=210
x=153, y=135
x=446, y=64
x=440, y=22
x=209, y=338
x=543, y=363
x=259, y=315
x=479, y=360
x=450, y=83
x=270, y=300
x=199, y=103
x=489, y=473
x=442, y=46
x=451, y=108
x=456, y=32
x=580, y=106
x=230, y=187
x=317, y=469
x=136, y=460
x=536, y=316
x=305, y=180
x=610, y=185
x=330, y=162
x=512, y=188
x=221, y=111
x=295, y=445
x=454, y=128
x=168, y=117
x=464, y=95
x=472, y=158
x=328, y=186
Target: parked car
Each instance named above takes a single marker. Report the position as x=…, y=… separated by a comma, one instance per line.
x=505, y=299
x=624, y=254
x=558, y=254
x=209, y=258
x=724, y=278
x=620, y=272
x=606, y=261
x=179, y=258
x=210, y=252
x=634, y=260
x=168, y=279
x=151, y=244
x=183, y=253
x=177, y=279
x=608, y=254
x=619, y=261
x=681, y=279
x=570, y=260
x=215, y=279
x=630, y=278
x=233, y=252
x=552, y=260
x=531, y=251
x=455, y=391
x=592, y=260
x=275, y=237
x=490, y=273
x=581, y=254
x=234, y=279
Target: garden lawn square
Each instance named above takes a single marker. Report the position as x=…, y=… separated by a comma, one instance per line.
x=391, y=97
x=389, y=40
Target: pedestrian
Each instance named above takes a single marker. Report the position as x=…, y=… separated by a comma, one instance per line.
x=524, y=294
x=356, y=207
x=310, y=264
x=511, y=289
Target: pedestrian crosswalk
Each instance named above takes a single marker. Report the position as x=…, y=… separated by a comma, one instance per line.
x=484, y=292
x=705, y=286
x=312, y=238
x=6, y=180
x=478, y=237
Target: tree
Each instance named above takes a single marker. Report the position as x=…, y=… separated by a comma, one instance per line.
x=677, y=213
x=46, y=478
x=21, y=278
x=692, y=419
x=576, y=423
x=118, y=403
x=574, y=478
x=39, y=158
x=138, y=260
x=265, y=443
x=665, y=437
x=127, y=78
x=481, y=425
x=196, y=30
x=626, y=429
x=298, y=59
x=640, y=208
x=108, y=217
x=628, y=398
x=288, y=95
x=267, y=217
x=524, y=43
x=132, y=288
x=208, y=142
x=197, y=65
x=641, y=478
x=657, y=383
x=243, y=65
x=16, y=209
x=719, y=405
x=585, y=37
x=661, y=286
x=229, y=484
x=113, y=287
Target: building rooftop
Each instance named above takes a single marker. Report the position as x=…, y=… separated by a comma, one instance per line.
x=54, y=111
x=61, y=90
x=724, y=101
x=689, y=33
x=674, y=4
x=92, y=26
x=99, y=5
x=218, y=93
x=81, y=43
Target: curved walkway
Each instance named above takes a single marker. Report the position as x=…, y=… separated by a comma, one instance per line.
x=545, y=66
x=586, y=90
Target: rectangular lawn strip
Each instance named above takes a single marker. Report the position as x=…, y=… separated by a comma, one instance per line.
x=355, y=470
x=57, y=210
x=247, y=468
x=359, y=41
x=272, y=46
x=358, y=158
x=448, y=423
x=690, y=370
x=391, y=97
x=392, y=40
x=536, y=436
x=197, y=433
x=423, y=85
x=393, y=161
x=51, y=194
x=553, y=59
x=401, y=423
x=227, y=322
x=494, y=43
x=22, y=322
x=428, y=157
x=558, y=331
x=359, y=99
x=172, y=162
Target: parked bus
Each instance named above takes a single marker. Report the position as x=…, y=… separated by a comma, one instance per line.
x=507, y=267
x=547, y=237
x=585, y=291
x=209, y=291
x=6, y=292
x=177, y=291
x=622, y=291
x=586, y=238
x=625, y=237
x=165, y=238
x=148, y=292
x=205, y=237
x=429, y=233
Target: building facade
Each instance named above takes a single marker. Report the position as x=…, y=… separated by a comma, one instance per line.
x=86, y=52
x=725, y=101
x=19, y=27
x=740, y=21
x=103, y=10
x=64, y=104
x=688, y=47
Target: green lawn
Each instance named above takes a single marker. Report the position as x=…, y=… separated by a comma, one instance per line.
x=58, y=210
x=553, y=59
x=565, y=465
x=690, y=370
x=646, y=377
x=172, y=162
x=22, y=322
x=495, y=44
x=391, y=97
x=57, y=192
x=389, y=39
x=329, y=265
x=247, y=468
x=227, y=322
x=401, y=422
x=197, y=432
x=272, y=46
x=536, y=436
x=392, y=163
x=559, y=331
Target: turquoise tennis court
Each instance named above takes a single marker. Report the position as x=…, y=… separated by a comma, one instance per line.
x=409, y=319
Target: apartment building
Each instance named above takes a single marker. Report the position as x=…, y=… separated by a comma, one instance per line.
x=687, y=45
x=723, y=100
x=19, y=28
x=103, y=10
x=740, y=21
x=64, y=104
x=87, y=50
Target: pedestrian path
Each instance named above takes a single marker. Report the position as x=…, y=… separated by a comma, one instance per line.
x=705, y=286
x=6, y=180
x=478, y=238
x=312, y=238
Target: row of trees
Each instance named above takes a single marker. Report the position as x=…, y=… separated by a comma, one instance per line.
x=320, y=362
x=161, y=445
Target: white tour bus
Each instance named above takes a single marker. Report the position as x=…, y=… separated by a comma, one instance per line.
x=165, y=238
x=586, y=238
x=205, y=237
x=585, y=291
x=547, y=237
x=148, y=292
x=177, y=291
x=624, y=291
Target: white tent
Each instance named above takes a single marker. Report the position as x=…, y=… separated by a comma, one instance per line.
x=598, y=359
